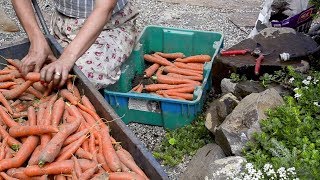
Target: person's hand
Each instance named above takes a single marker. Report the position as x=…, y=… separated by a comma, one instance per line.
x=57, y=72
x=39, y=52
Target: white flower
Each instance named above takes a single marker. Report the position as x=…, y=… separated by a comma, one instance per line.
x=306, y=82
x=297, y=95
x=282, y=172
x=315, y=81
x=291, y=170
x=291, y=80
x=270, y=172
x=295, y=89
x=316, y=104
x=249, y=166
x=266, y=167
x=309, y=78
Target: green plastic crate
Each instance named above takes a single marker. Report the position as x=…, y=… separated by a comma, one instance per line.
x=151, y=109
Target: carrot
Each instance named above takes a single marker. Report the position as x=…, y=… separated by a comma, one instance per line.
x=69, y=96
x=49, y=89
x=35, y=156
x=54, y=168
x=85, y=145
x=73, y=89
x=128, y=161
x=16, y=92
x=38, y=86
x=16, y=74
x=58, y=109
x=172, y=69
x=6, y=77
x=140, y=88
x=88, y=173
x=124, y=168
x=170, y=80
x=157, y=59
x=198, y=66
x=76, y=166
x=35, y=76
x=195, y=59
x=195, y=78
x=20, y=131
x=92, y=144
x=5, y=85
x=160, y=71
x=3, y=148
x=84, y=154
x=22, y=155
x=5, y=71
x=6, y=118
x=186, y=96
x=20, y=114
x=156, y=87
x=17, y=173
x=11, y=141
x=86, y=102
x=6, y=104
x=186, y=89
x=75, y=145
x=151, y=70
x=34, y=92
x=109, y=153
x=187, y=66
x=26, y=97
x=40, y=113
x=136, y=87
x=16, y=63
x=75, y=136
x=171, y=55
x=7, y=177
x=52, y=149
x=125, y=176
x=60, y=177
x=102, y=161
x=100, y=176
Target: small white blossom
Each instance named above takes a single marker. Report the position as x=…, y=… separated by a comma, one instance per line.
x=295, y=89
x=315, y=81
x=291, y=80
x=297, y=95
x=306, y=82
x=316, y=104
x=309, y=78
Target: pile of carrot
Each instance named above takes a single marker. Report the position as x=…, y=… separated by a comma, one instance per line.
x=175, y=74
x=55, y=134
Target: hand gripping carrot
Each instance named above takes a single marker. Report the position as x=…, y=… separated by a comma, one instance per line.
x=195, y=59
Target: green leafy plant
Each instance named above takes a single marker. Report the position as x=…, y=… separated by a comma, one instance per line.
x=237, y=78
x=183, y=141
x=290, y=135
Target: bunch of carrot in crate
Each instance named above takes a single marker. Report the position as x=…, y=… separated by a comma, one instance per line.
x=57, y=136
x=176, y=75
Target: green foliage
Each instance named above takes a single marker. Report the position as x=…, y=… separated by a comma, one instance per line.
x=183, y=141
x=290, y=135
x=237, y=78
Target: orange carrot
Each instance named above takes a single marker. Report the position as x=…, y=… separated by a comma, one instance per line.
x=151, y=70
x=60, y=177
x=128, y=161
x=75, y=145
x=76, y=166
x=156, y=87
x=75, y=136
x=188, y=66
x=172, y=69
x=49, y=89
x=195, y=78
x=92, y=144
x=26, y=97
x=85, y=145
x=34, y=92
x=16, y=92
x=125, y=176
x=103, y=162
x=5, y=85
x=84, y=154
x=6, y=176
x=11, y=141
x=17, y=173
x=86, y=102
x=195, y=59
x=61, y=167
x=22, y=155
x=171, y=55
x=69, y=96
x=16, y=74
x=136, y=87
x=170, y=80
x=140, y=88
x=16, y=63
x=19, y=114
x=6, y=104
x=6, y=118
x=52, y=149
x=6, y=77
x=186, y=89
x=38, y=86
x=157, y=59
x=198, y=66
x=186, y=96
x=35, y=156
x=5, y=71
x=73, y=89
x=58, y=109
x=20, y=131
x=40, y=113
x=88, y=173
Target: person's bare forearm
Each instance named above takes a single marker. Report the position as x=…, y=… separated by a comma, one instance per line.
x=24, y=11
x=90, y=30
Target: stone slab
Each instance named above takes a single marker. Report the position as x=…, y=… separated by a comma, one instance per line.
x=6, y=24
x=244, y=19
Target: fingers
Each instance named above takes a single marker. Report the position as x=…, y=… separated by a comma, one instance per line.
x=64, y=77
x=54, y=72
x=26, y=65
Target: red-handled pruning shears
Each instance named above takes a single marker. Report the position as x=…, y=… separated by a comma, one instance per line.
x=255, y=52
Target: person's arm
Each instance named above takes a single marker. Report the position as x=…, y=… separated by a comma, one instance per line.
x=39, y=49
x=82, y=42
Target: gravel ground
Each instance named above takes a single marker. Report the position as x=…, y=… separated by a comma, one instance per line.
x=165, y=14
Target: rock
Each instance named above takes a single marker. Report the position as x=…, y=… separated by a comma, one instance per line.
x=227, y=86
x=6, y=24
x=200, y=164
x=239, y=126
x=303, y=67
x=274, y=40
x=245, y=88
x=280, y=89
x=219, y=110
x=223, y=169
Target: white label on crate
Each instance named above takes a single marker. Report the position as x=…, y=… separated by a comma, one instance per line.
x=144, y=105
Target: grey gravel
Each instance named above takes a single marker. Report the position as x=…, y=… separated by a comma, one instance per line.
x=154, y=12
